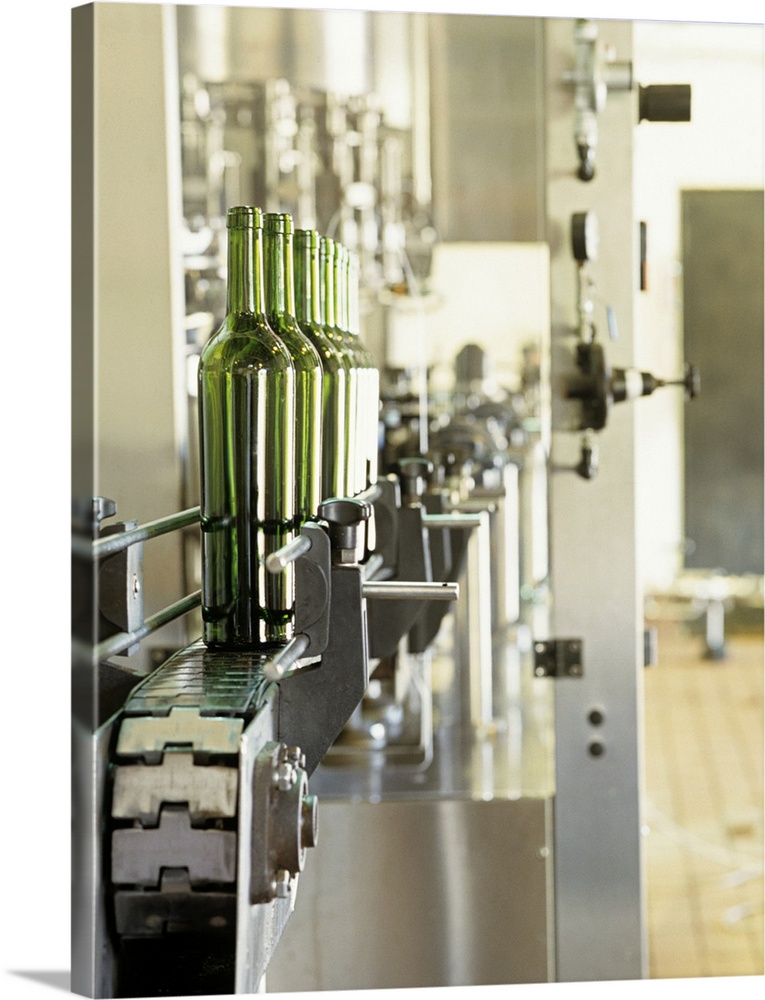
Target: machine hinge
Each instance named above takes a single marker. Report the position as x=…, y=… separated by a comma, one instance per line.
x=558, y=658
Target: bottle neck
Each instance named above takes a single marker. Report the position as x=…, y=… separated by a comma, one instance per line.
x=340, y=284
x=244, y=286
x=327, y=284
x=352, y=293
x=307, y=278
x=278, y=265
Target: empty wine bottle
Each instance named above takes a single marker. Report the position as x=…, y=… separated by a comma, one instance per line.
x=247, y=458
x=334, y=400
x=328, y=298
x=371, y=443
x=357, y=471
x=280, y=312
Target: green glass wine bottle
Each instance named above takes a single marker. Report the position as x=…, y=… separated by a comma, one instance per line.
x=371, y=444
x=334, y=401
x=328, y=299
x=246, y=428
x=280, y=311
x=356, y=477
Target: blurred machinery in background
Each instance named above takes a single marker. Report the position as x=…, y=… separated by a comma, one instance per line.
x=464, y=800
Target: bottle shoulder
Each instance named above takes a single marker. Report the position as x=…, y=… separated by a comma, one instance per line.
x=334, y=336
x=245, y=340
x=331, y=355
x=304, y=354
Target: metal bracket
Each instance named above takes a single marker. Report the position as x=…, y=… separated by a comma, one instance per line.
x=284, y=821
x=313, y=590
x=558, y=658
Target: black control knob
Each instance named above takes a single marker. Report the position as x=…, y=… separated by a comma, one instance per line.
x=415, y=474
x=665, y=102
x=585, y=236
x=344, y=515
x=586, y=170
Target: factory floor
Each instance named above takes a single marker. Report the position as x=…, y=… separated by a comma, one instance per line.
x=704, y=802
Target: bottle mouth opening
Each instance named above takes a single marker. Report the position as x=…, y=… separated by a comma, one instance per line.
x=307, y=237
x=278, y=222
x=244, y=217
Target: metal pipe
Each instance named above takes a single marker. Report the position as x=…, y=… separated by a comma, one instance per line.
x=370, y=494
x=118, y=643
x=116, y=543
x=392, y=590
x=279, y=560
x=373, y=565
x=287, y=657
x=451, y=520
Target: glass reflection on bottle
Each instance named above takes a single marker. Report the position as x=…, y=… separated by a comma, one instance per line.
x=334, y=397
x=247, y=458
x=280, y=312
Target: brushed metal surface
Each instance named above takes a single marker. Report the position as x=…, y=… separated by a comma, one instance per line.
x=599, y=881
x=421, y=893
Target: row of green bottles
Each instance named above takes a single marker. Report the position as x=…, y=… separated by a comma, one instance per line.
x=288, y=410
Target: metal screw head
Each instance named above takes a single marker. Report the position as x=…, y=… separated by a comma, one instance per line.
x=296, y=756
x=282, y=884
x=285, y=776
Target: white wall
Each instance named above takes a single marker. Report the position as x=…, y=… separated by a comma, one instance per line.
x=492, y=294
x=721, y=147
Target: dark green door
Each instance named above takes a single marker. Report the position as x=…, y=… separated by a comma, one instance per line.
x=723, y=278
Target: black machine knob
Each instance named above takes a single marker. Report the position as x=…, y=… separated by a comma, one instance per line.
x=415, y=474
x=629, y=383
x=665, y=102
x=344, y=515
x=586, y=169
x=585, y=236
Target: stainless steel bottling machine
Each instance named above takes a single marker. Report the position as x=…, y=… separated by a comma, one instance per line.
x=433, y=777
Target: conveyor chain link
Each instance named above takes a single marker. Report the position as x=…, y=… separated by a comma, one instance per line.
x=174, y=810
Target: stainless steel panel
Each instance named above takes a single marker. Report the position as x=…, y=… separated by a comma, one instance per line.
x=487, y=127
x=421, y=893
x=599, y=887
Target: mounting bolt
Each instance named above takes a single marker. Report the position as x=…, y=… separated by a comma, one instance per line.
x=282, y=883
x=295, y=756
x=285, y=776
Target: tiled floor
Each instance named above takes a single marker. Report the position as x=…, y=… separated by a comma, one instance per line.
x=704, y=816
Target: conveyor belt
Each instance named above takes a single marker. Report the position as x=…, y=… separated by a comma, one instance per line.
x=173, y=822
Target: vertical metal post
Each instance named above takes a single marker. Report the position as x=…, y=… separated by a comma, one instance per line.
x=599, y=886
x=473, y=627
x=139, y=382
